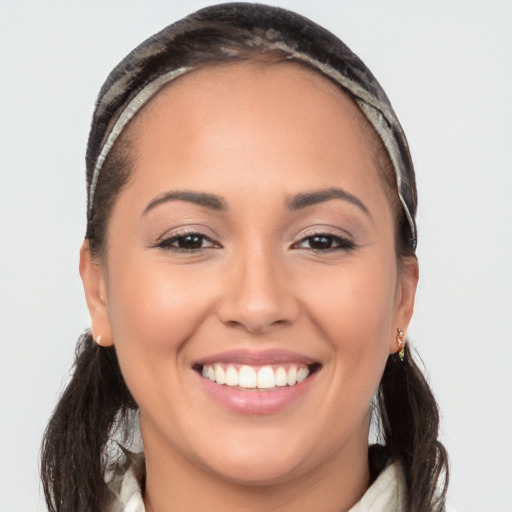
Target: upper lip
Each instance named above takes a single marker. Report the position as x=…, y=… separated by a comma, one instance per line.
x=256, y=358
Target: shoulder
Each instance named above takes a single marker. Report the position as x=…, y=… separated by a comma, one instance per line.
x=387, y=493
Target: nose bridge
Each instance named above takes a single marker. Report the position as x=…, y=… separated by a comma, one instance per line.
x=257, y=295
x=258, y=279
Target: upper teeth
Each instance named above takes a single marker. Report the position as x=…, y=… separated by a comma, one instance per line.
x=264, y=377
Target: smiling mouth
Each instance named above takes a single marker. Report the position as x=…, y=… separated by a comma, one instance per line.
x=263, y=377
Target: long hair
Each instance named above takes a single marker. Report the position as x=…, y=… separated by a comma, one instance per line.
x=97, y=398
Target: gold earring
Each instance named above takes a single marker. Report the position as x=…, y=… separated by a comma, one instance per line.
x=98, y=339
x=400, y=339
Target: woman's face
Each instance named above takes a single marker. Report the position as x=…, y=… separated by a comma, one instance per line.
x=253, y=243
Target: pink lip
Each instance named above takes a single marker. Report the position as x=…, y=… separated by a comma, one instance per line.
x=261, y=358
x=255, y=401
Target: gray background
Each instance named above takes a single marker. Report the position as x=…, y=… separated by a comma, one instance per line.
x=445, y=66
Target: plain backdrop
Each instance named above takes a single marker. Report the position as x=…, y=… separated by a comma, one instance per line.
x=446, y=66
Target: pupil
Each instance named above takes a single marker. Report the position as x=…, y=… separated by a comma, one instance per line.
x=190, y=242
x=321, y=242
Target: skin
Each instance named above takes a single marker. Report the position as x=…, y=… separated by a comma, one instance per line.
x=256, y=135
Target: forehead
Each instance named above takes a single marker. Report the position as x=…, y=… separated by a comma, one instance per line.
x=229, y=124
x=215, y=85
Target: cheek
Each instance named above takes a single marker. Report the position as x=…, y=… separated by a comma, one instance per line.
x=154, y=310
x=358, y=301
x=157, y=304
x=354, y=310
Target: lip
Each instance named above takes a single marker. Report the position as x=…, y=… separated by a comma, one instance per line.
x=256, y=401
x=252, y=358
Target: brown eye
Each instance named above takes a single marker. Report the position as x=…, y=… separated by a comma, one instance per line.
x=321, y=242
x=324, y=242
x=187, y=242
x=190, y=242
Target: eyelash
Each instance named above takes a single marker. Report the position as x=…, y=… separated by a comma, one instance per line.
x=167, y=243
x=342, y=244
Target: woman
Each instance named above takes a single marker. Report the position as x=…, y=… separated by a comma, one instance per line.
x=250, y=271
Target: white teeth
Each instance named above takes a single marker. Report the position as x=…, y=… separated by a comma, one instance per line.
x=267, y=377
x=281, y=377
x=247, y=377
x=292, y=376
x=302, y=373
x=231, y=376
x=220, y=376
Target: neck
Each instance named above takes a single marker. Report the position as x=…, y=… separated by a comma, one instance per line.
x=333, y=486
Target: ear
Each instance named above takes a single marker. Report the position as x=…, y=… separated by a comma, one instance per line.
x=405, y=296
x=93, y=279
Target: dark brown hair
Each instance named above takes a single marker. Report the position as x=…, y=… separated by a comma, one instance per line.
x=96, y=398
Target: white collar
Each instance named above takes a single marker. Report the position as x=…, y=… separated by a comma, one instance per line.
x=386, y=494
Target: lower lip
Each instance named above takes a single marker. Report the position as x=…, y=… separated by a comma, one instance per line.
x=255, y=401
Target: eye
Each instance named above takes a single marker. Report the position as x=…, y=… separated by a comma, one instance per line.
x=325, y=242
x=187, y=242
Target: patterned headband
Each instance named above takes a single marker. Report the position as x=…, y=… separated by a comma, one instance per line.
x=231, y=32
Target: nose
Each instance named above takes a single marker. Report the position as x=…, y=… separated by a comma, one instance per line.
x=257, y=294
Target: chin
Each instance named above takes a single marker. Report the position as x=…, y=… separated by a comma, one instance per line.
x=259, y=458
x=264, y=471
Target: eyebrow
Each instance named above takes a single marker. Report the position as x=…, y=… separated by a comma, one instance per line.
x=210, y=201
x=319, y=196
x=298, y=202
